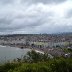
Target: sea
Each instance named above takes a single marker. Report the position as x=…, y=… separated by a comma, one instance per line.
x=8, y=53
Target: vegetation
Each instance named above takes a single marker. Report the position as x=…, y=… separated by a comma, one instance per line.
x=67, y=50
x=39, y=63
x=34, y=57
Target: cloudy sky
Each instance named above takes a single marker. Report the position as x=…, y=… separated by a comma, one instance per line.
x=35, y=16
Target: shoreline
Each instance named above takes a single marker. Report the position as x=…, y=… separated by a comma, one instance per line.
x=37, y=50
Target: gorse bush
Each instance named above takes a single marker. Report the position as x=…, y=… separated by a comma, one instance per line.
x=35, y=57
x=55, y=65
x=7, y=66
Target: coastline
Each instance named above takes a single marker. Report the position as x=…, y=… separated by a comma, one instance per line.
x=37, y=50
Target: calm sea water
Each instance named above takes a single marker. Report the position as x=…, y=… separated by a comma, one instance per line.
x=10, y=53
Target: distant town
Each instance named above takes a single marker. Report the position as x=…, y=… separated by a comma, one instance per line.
x=54, y=44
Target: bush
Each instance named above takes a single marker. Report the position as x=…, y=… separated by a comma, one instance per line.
x=35, y=57
x=39, y=63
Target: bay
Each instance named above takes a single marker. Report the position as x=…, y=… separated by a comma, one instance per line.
x=10, y=53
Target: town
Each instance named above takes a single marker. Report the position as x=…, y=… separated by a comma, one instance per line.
x=55, y=44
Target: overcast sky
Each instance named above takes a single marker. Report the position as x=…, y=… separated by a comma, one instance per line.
x=35, y=16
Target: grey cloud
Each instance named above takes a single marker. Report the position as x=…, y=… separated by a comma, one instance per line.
x=59, y=29
x=22, y=22
x=17, y=23
x=69, y=13
x=43, y=1
x=5, y=21
x=32, y=1
x=19, y=18
x=6, y=1
x=54, y=29
x=38, y=23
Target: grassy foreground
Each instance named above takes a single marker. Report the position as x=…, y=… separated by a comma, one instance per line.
x=54, y=65
x=35, y=62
